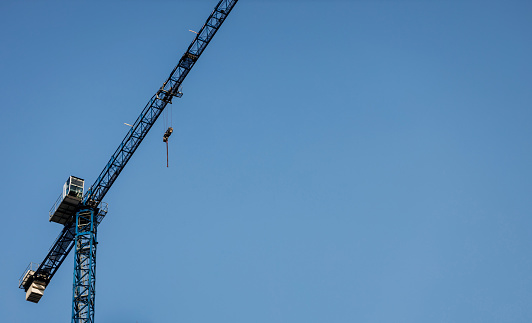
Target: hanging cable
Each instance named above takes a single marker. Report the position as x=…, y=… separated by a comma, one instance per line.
x=167, y=124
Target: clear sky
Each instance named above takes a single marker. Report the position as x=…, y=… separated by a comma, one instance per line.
x=332, y=161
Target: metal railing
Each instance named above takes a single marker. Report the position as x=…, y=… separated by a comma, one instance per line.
x=32, y=267
x=78, y=192
x=56, y=205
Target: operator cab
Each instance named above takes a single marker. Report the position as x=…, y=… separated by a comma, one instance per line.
x=67, y=204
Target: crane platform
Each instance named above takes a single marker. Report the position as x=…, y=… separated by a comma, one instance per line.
x=34, y=287
x=67, y=204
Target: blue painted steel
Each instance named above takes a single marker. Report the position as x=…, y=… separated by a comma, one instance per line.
x=84, y=267
x=156, y=105
x=81, y=228
x=60, y=249
x=93, y=197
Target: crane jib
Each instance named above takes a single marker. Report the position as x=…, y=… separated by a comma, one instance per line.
x=153, y=109
x=156, y=105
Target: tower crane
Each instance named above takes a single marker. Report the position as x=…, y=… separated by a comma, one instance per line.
x=81, y=212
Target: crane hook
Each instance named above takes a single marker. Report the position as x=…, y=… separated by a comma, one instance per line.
x=167, y=135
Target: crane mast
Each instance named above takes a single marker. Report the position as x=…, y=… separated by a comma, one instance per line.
x=82, y=216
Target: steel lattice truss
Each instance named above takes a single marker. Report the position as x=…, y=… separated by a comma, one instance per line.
x=156, y=105
x=84, y=267
x=153, y=109
x=62, y=246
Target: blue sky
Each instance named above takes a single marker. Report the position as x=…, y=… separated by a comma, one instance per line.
x=339, y=161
